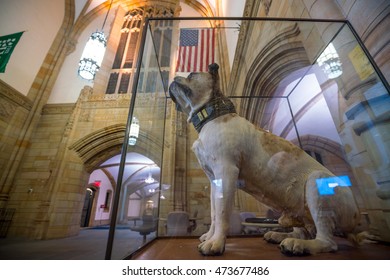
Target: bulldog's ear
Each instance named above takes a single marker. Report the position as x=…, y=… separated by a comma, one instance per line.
x=213, y=69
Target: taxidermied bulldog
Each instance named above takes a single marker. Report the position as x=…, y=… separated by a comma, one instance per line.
x=234, y=153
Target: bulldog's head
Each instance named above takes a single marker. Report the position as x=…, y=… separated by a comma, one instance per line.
x=196, y=90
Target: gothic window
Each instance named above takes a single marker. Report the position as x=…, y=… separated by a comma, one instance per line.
x=141, y=82
x=162, y=38
x=165, y=78
x=125, y=54
x=157, y=38
x=124, y=60
x=124, y=84
x=112, y=83
x=119, y=52
x=151, y=82
x=166, y=48
x=131, y=50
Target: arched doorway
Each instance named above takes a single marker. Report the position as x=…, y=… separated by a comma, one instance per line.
x=141, y=185
x=100, y=153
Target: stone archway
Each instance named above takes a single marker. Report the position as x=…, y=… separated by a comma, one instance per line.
x=284, y=55
x=98, y=147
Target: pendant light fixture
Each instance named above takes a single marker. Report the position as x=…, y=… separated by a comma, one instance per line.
x=93, y=53
x=330, y=62
x=150, y=179
x=134, y=131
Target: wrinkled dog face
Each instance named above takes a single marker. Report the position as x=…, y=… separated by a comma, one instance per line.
x=193, y=92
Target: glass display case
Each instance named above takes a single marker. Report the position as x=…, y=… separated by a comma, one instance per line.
x=311, y=82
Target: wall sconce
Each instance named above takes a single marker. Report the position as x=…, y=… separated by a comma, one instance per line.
x=330, y=63
x=134, y=131
x=93, y=53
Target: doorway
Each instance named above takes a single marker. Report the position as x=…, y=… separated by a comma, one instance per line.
x=87, y=208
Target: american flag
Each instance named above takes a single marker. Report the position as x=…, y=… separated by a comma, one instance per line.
x=196, y=50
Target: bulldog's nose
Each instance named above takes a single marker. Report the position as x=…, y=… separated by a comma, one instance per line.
x=173, y=87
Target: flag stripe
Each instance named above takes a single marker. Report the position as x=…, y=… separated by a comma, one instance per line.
x=213, y=53
x=190, y=58
x=196, y=50
x=196, y=54
x=208, y=54
x=202, y=50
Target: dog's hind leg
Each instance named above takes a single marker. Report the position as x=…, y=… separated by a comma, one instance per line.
x=224, y=187
x=301, y=230
x=277, y=237
x=322, y=210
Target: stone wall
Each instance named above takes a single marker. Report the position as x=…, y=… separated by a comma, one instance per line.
x=32, y=194
x=14, y=110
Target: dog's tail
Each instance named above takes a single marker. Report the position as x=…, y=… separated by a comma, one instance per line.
x=362, y=238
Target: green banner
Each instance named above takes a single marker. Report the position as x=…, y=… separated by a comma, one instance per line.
x=7, y=45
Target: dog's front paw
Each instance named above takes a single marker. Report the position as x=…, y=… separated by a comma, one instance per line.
x=204, y=237
x=212, y=247
x=207, y=235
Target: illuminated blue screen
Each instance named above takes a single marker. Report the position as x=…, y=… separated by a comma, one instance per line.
x=326, y=185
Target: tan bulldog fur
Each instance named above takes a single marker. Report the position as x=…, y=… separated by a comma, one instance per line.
x=232, y=152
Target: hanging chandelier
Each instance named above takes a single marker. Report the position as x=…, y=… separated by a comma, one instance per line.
x=93, y=53
x=92, y=56
x=330, y=62
x=134, y=131
x=150, y=179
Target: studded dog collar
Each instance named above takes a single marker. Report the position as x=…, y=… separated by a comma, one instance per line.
x=213, y=109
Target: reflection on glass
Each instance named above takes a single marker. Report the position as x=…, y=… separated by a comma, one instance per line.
x=137, y=217
x=134, y=131
x=330, y=63
x=326, y=186
x=334, y=107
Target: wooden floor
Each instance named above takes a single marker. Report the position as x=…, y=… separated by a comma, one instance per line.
x=254, y=248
